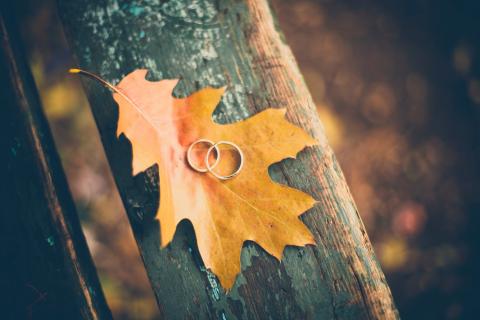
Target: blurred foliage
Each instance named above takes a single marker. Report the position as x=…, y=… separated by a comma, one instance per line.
x=397, y=85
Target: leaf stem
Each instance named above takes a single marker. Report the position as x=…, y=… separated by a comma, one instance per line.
x=104, y=82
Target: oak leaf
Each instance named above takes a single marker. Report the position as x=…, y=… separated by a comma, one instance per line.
x=224, y=214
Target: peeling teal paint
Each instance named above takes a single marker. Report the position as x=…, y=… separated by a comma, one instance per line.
x=51, y=241
x=92, y=291
x=224, y=317
x=136, y=11
x=214, y=285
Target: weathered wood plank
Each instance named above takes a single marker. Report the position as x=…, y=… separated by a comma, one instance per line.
x=233, y=43
x=46, y=271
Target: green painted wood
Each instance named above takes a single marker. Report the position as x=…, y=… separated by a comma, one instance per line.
x=237, y=44
x=46, y=271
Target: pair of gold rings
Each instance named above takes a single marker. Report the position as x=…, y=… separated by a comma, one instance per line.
x=210, y=167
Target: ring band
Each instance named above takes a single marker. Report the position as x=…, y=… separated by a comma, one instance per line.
x=215, y=147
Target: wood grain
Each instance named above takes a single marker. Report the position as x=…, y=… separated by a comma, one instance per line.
x=46, y=271
x=237, y=44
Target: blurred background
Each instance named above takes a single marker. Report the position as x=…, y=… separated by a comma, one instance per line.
x=397, y=85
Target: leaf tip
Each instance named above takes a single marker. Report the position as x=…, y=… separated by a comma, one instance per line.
x=311, y=241
x=217, y=92
x=220, y=90
x=142, y=73
x=314, y=141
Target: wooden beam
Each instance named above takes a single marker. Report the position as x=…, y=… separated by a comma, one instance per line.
x=238, y=44
x=46, y=271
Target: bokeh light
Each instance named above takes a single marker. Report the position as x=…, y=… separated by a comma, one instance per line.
x=397, y=86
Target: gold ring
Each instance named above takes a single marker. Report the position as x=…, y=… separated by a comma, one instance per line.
x=215, y=147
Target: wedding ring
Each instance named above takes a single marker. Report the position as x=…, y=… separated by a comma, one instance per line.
x=215, y=147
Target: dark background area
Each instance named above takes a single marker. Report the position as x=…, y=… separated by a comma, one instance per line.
x=397, y=84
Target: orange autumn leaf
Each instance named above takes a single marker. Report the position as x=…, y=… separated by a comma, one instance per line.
x=224, y=214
